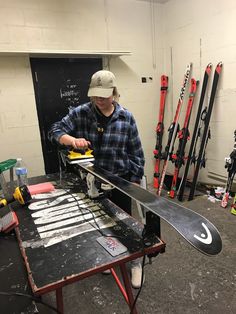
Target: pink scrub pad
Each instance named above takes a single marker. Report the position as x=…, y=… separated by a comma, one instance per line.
x=41, y=188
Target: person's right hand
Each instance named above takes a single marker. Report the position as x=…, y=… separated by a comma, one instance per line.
x=80, y=143
x=77, y=143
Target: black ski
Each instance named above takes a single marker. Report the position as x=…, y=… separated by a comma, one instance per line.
x=196, y=229
x=206, y=130
x=195, y=132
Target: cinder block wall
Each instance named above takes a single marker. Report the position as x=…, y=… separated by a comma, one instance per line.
x=163, y=38
x=90, y=25
x=203, y=32
x=19, y=130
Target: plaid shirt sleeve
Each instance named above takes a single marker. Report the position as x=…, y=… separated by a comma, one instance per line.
x=135, y=153
x=75, y=123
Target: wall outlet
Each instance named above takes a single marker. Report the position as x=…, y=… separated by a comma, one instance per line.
x=146, y=79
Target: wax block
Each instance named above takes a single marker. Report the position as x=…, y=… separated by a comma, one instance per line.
x=41, y=188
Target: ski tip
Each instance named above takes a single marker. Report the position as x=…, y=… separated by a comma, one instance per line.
x=209, y=241
x=164, y=80
x=209, y=68
x=219, y=67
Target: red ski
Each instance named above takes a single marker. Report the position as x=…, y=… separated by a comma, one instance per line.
x=159, y=131
x=183, y=135
x=173, y=129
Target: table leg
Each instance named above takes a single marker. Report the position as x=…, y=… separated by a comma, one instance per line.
x=128, y=287
x=59, y=298
x=122, y=290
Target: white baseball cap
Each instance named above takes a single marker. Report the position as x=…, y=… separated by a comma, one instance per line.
x=102, y=84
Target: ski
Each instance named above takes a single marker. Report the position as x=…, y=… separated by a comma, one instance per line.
x=233, y=206
x=159, y=131
x=194, y=228
x=206, y=129
x=230, y=165
x=195, y=134
x=195, y=156
x=183, y=135
x=174, y=128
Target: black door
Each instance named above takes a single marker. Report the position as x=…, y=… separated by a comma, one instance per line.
x=59, y=84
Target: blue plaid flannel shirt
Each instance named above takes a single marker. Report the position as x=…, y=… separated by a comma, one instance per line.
x=119, y=151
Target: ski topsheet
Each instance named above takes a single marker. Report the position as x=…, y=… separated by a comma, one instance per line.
x=173, y=129
x=196, y=229
x=195, y=131
x=183, y=135
x=159, y=131
x=205, y=134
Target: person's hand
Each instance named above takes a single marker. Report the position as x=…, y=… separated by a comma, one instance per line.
x=80, y=143
x=77, y=143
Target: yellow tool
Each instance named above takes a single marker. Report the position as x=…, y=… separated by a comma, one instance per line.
x=79, y=154
x=21, y=194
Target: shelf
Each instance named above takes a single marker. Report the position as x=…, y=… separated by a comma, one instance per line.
x=64, y=53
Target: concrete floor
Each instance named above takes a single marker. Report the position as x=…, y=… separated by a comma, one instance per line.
x=181, y=280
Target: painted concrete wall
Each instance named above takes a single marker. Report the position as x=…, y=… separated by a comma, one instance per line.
x=203, y=32
x=91, y=25
x=163, y=38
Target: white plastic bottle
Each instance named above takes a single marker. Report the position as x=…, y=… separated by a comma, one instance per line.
x=21, y=173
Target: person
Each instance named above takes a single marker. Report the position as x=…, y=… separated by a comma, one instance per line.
x=111, y=131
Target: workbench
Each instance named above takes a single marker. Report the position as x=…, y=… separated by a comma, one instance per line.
x=51, y=264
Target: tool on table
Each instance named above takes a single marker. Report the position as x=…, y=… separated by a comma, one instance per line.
x=79, y=155
x=21, y=194
x=8, y=222
x=112, y=245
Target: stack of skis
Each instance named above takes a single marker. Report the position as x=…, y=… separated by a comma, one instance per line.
x=199, y=138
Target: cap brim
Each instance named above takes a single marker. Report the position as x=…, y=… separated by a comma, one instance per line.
x=100, y=92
